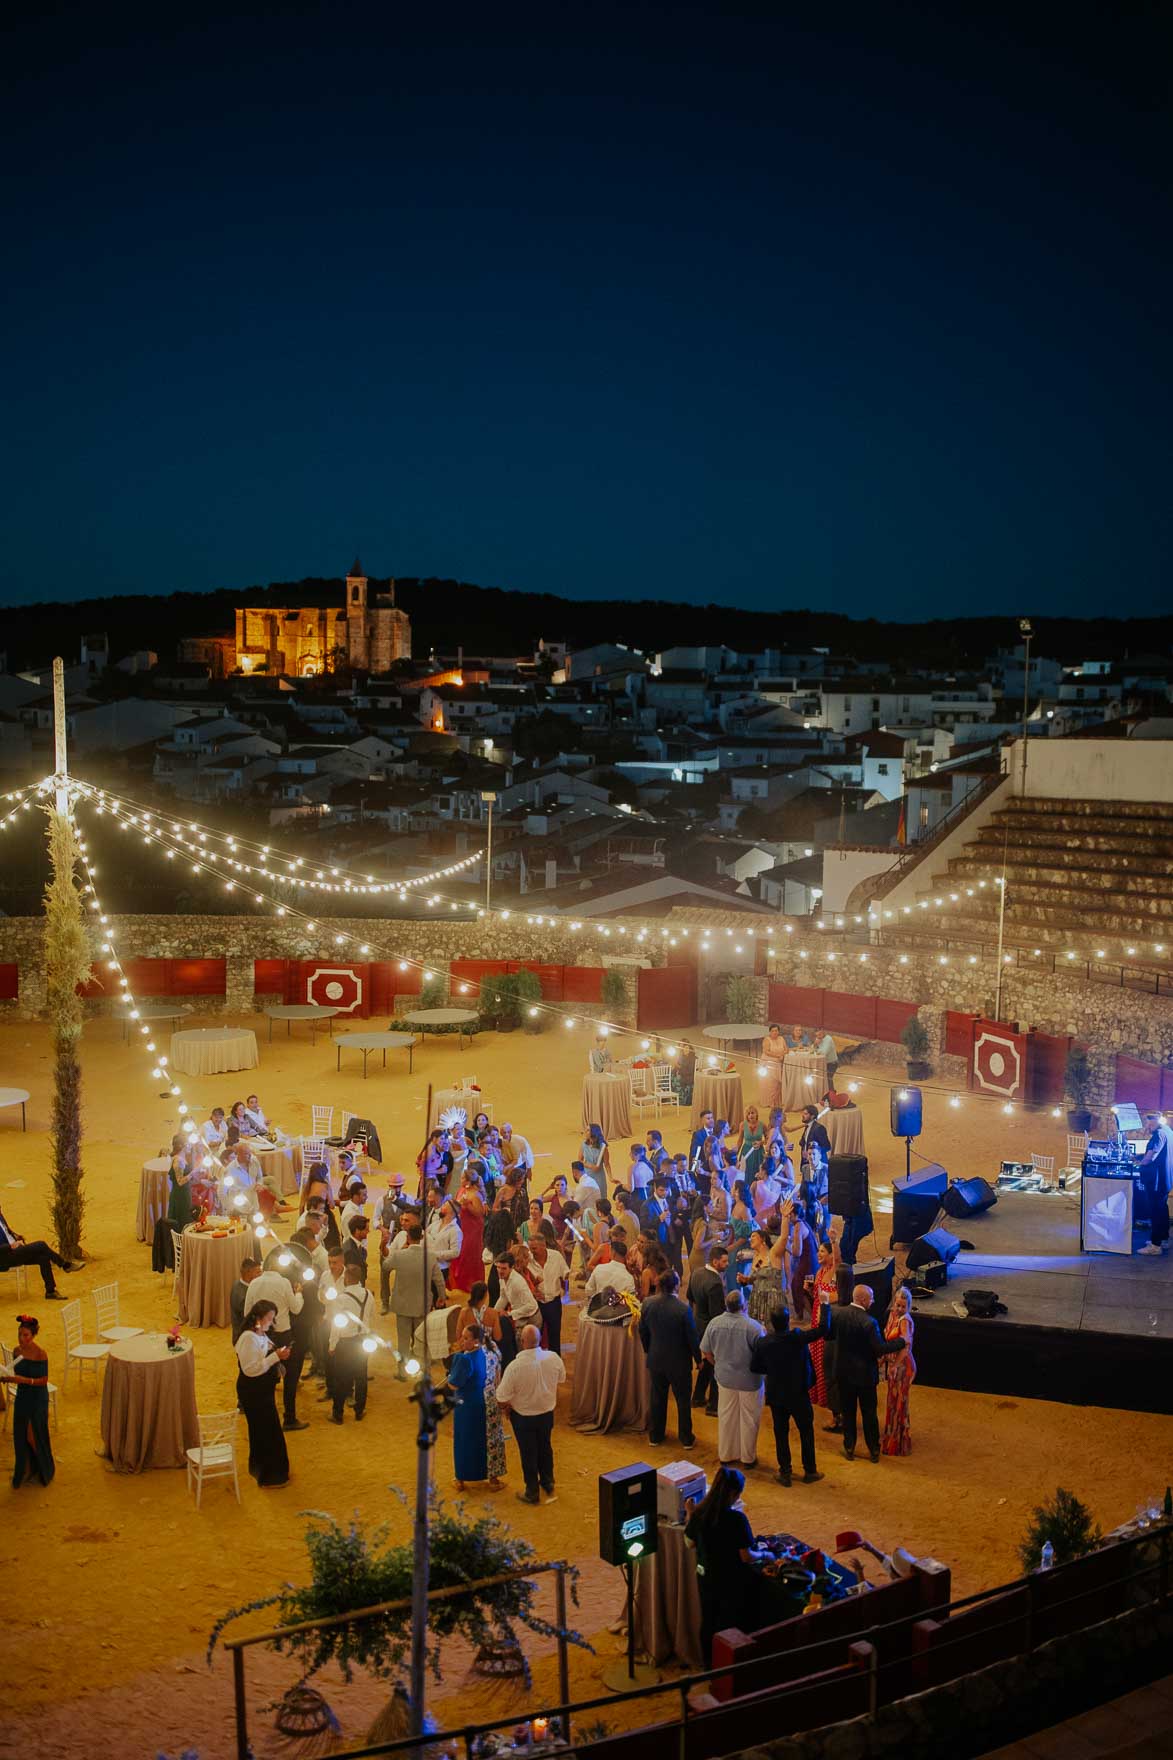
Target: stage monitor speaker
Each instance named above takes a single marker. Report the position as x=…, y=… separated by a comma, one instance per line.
x=906, y=1112
x=967, y=1197
x=847, y=1185
x=938, y=1246
x=878, y=1275
x=627, y=1514
x=916, y=1202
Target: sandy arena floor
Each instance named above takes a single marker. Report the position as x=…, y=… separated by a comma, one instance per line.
x=112, y=1582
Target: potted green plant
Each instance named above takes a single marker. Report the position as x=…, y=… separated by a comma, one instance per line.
x=741, y=999
x=614, y=993
x=914, y=1037
x=508, y=1002
x=1077, y=1084
x=1066, y=1523
x=529, y=995
x=433, y=994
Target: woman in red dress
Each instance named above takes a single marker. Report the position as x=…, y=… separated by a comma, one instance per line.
x=469, y=1266
x=823, y=1289
x=900, y=1371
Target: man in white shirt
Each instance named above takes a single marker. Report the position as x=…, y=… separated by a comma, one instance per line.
x=586, y=1193
x=213, y=1130
x=551, y=1273
x=349, y=1374
x=528, y=1392
x=599, y=1060
x=273, y=1286
x=516, y=1305
x=444, y=1236
x=826, y=1050
x=355, y=1205
x=614, y=1275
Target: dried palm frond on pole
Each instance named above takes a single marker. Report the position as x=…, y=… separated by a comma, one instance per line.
x=67, y=964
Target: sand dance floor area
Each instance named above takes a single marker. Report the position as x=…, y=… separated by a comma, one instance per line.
x=113, y=1581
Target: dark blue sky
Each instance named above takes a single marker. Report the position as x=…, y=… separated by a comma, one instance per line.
x=864, y=308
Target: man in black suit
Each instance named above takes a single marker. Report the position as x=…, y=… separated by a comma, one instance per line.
x=700, y=1138
x=15, y=1250
x=706, y=1298
x=814, y=1148
x=668, y=1334
x=783, y=1357
x=859, y=1345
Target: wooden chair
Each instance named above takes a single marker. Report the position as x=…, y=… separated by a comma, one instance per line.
x=77, y=1352
x=214, y=1457
x=106, y=1318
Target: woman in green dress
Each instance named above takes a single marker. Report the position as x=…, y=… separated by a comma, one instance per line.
x=181, y=1210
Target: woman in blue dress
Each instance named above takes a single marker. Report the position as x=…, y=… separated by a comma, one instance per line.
x=470, y=1450
x=30, y=1408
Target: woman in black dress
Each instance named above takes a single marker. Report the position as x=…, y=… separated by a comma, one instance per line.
x=723, y=1538
x=30, y=1407
x=256, y=1393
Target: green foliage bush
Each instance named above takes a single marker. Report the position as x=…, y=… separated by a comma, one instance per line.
x=1066, y=1523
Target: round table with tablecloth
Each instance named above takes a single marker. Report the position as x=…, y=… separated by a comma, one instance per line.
x=611, y=1384
x=845, y=1129
x=209, y=1267
x=212, y=1051
x=469, y=1103
x=668, y=1601
x=277, y=1162
x=606, y=1101
x=719, y=1093
x=148, y=1404
x=154, y=1193
x=804, y=1080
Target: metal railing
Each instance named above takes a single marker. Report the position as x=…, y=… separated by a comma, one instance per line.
x=1123, y=975
x=915, y=853
x=859, y=1646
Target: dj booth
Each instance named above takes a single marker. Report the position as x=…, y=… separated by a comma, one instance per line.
x=1112, y=1199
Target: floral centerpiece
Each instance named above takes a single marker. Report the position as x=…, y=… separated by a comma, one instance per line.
x=175, y=1338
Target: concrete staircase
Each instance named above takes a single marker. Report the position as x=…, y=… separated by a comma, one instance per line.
x=1086, y=876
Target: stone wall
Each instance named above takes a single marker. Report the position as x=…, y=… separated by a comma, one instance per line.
x=1109, y=1019
x=241, y=940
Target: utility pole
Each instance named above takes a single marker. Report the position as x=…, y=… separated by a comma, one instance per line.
x=489, y=797
x=1025, y=630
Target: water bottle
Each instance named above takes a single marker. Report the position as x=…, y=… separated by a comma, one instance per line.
x=1046, y=1556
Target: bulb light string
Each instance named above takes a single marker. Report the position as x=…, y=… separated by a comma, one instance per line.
x=25, y=798
x=710, y=1062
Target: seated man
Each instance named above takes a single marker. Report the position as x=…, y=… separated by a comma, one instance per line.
x=15, y=1250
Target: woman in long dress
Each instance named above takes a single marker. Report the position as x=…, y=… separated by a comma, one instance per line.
x=596, y=1157
x=256, y=1394
x=469, y=1265
x=181, y=1206
x=494, y=1424
x=773, y=1056
x=802, y=1244
x=30, y=1407
x=753, y=1143
x=470, y=1453
x=766, y=1276
x=900, y=1370
x=823, y=1289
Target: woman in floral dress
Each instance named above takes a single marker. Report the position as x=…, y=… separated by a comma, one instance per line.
x=901, y=1372
x=494, y=1428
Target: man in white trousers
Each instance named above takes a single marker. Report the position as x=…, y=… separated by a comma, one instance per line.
x=727, y=1344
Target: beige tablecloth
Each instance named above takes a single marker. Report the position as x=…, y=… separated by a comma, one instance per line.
x=797, y=1092
x=720, y=1094
x=845, y=1129
x=668, y=1601
x=210, y=1051
x=606, y=1101
x=610, y=1379
x=209, y=1268
x=148, y=1404
x=281, y=1162
x=443, y=1098
x=154, y=1190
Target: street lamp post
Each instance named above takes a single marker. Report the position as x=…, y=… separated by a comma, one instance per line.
x=1025, y=630
x=488, y=797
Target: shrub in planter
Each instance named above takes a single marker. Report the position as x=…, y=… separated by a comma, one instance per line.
x=529, y=992
x=1078, y=1082
x=740, y=998
x=615, y=994
x=508, y=1002
x=434, y=994
x=1066, y=1523
x=915, y=1039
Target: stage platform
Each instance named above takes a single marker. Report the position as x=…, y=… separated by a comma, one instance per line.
x=1085, y=1328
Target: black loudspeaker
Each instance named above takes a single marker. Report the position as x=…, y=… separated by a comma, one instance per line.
x=938, y=1246
x=916, y=1202
x=967, y=1197
x=847, y=1185
x=627, y=1514
x=906, y=1112
x=878, y=1275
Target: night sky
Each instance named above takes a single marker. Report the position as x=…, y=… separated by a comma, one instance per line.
x=856, y=308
